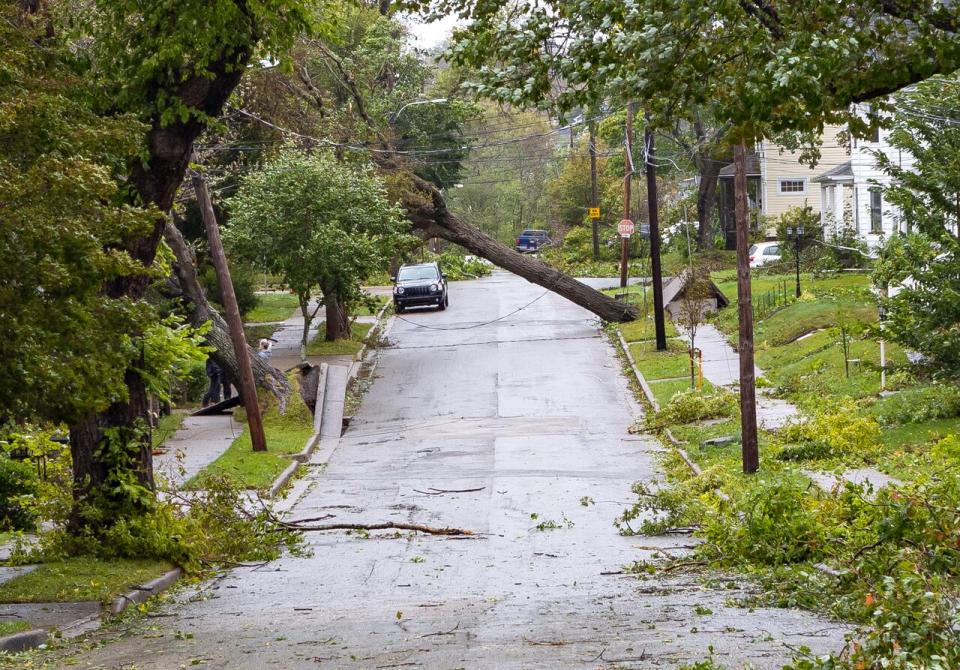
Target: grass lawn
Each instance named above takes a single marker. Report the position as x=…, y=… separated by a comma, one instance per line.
x=11, y=627
x=256, y=333
x=5, y=537
x=363, y=310
x=347, y=346
x=81, y=578
x=168, y=425
x=674, y=362
x=286, y=435
x=273, y=307
x=643, y=330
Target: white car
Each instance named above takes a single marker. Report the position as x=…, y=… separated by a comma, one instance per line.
x=764, y=253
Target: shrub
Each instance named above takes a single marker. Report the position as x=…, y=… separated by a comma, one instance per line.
x=938, y=401
x=690, y=406
x=19, y=486
x=830, y=434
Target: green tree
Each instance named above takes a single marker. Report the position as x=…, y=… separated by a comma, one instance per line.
x=763, y=67
x=316, y=222
x=64, y=343
x=925, y=315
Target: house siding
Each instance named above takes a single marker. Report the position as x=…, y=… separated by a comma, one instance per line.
x=778, y=166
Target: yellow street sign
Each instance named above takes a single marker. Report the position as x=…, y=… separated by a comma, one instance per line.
x=593, y=212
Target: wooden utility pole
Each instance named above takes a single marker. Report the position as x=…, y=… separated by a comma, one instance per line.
x=627, y=180
x=248, y=390
x=748, y=400
x=655, y=270
x=594, y=221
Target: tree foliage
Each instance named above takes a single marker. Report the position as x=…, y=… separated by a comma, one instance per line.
x=764, y=67
x=925, y=316
x=64, y=344
x=315, y=222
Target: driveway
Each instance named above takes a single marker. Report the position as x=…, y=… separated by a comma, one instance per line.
x=528, y=417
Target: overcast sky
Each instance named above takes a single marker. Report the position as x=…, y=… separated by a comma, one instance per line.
x=429, y=35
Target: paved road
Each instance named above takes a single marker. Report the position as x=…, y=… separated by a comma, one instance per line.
x=531, y=410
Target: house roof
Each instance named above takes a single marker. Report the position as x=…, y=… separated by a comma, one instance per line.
x=843, y=172
x=673, y=289
x=753, y=167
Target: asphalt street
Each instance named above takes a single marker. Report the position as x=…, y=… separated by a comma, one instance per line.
x=530, y=414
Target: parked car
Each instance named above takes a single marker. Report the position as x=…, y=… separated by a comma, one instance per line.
x=764, y=253
x=531, y=241
x=418, y=285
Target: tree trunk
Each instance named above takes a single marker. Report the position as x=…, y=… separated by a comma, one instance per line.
x=428, y=211
x=307, y=320
x=266, y=376
x=706, y=199
x=338, y=322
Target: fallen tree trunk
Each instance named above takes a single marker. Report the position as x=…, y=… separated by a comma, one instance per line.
x=389, y=525
x=426, y=208
x=265, y=375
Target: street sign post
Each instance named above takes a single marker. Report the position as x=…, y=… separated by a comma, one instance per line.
x=593, y=212
x=625, y=228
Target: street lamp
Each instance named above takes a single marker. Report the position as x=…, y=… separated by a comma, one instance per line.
x=432, y=101
x=796, y=247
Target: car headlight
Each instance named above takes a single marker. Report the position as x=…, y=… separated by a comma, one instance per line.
x=399, y=290
x=433, y=288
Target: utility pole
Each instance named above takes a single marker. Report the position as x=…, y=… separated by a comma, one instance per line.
x=655, y=271
x=627, y=180
x=594, y=221
x=748, y=399
x=248, y=390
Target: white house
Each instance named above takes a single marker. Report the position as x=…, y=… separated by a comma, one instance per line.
x=852, y=192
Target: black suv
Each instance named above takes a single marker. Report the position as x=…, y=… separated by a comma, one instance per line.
x=417, y=285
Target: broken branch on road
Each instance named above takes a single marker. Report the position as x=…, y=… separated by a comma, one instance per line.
x=388, y=525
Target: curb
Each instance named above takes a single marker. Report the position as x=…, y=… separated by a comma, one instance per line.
x=647, y=391
x=358, y=357
x=30, y=639
x=23, y=640
x=146, y=591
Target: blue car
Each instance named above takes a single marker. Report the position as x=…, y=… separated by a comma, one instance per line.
x=531, y=241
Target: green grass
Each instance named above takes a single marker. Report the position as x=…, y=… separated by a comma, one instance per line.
x=5, y=537
x=256, y=333
x=346, y=346
x=81, y=578
x=643, y=329
x=273, y=307
x=286, y=435
x=675, y=362
x=167, y=426
x=363, y=310
x=11, y=627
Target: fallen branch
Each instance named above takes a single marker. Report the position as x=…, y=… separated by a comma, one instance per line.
x=448, y=632
x=388, y=525
x=436, y=492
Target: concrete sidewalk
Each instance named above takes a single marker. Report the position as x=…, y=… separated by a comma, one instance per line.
x=721, y=367
x=197, y=443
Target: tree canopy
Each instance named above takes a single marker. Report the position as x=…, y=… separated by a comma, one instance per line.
x=765, y=67
x=315, y=222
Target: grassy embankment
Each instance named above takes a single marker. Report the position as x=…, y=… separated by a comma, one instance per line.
x=78, y=579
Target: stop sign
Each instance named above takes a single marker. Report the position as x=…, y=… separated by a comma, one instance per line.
x=625, y=228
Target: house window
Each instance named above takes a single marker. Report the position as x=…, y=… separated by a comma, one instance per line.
x=787, y=186
x=876, y=211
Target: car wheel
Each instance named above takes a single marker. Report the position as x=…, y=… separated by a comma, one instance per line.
x=442, y=305
x=446, y=301
x=398, y=308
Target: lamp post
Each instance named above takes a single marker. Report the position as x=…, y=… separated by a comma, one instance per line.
x=432, y=101
x=796, y=235
x=883, y=348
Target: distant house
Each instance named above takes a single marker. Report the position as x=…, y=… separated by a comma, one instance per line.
x=852, y=192
x=674, y=290
x=844, y=188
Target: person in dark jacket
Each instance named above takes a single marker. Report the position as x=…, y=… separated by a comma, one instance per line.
x=212, y=396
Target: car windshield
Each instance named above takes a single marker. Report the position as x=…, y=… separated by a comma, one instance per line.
x=417, y=272
x=534, y=233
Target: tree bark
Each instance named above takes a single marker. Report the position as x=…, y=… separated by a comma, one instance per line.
x=266, y=376
x=706, y=199
x=338, y=321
